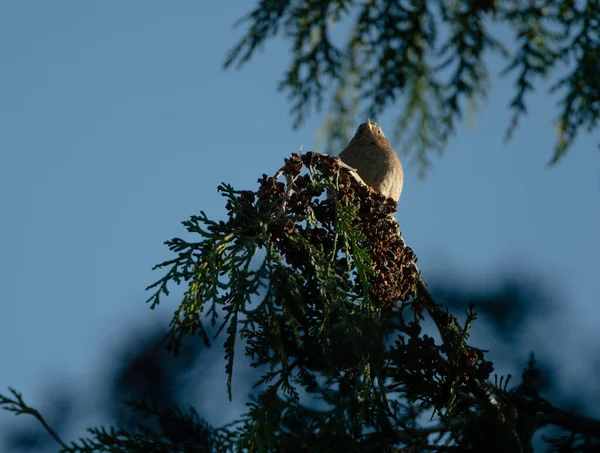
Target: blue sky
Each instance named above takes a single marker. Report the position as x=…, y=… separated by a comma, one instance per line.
x=118, y=122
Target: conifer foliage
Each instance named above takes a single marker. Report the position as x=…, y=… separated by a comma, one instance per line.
x=430, y=59
x=310, y=275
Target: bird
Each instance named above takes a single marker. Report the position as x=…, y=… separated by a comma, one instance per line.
x=375, y=161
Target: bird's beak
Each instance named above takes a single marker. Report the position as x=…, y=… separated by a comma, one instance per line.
x=369, y=124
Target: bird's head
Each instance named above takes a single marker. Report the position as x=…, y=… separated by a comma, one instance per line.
x=369, y=129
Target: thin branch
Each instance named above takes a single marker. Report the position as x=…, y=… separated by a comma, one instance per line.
x=19, y=407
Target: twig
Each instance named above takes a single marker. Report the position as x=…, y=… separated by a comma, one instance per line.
x=289, y=189
x=19, y=407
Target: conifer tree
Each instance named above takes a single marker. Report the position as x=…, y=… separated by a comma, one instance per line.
x=309, y=271
x=311, y=274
